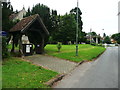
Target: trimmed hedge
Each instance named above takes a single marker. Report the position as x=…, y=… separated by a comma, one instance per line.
x=5, y=53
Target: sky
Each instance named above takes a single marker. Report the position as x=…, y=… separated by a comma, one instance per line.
x=99, y=15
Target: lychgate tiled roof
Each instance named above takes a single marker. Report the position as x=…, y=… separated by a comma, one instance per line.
x=25, y=22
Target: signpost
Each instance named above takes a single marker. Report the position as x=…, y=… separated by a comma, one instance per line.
x=3, y=33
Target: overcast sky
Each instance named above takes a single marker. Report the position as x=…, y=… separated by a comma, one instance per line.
x=97, y=14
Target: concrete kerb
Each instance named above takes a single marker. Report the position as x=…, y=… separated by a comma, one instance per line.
x=60, y=77
x=54, y=80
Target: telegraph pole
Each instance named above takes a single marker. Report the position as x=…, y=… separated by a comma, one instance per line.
x=103, y=36
x=77, y=32
x=90, y=36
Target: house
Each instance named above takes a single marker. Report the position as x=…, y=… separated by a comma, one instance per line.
x=35, y=31
x=113, y=41
x=93, y=38
x=18, y=16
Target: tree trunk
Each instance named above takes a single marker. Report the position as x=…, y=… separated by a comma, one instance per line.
x=13, y=44
x=20, y=47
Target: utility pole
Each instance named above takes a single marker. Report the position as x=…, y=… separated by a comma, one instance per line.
x=90, y=36
x=103, y=33
x=103, y=36
x=77, y=32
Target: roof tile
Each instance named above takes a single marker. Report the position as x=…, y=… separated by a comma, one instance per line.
x=22, y=24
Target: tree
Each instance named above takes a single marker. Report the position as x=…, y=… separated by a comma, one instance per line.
x=44, y=13
x=104, y=35
x=82, y=37
x=93, y=33
x=7, y=10
x=74, y=12
x=28, y=12
x=107, y=40
x=7, y=24
x=55, y=19
x=116, y=37
x=66, y=30
x=82, y=34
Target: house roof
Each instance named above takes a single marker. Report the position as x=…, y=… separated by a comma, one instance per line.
x=26, y=22
x=12, y=16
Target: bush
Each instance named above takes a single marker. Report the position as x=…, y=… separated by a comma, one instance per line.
x=100, y=45
x=94, y=44
x=87, y=42
x=5, y=53
x=116, y=44
x=107, y=40
x=59, y=45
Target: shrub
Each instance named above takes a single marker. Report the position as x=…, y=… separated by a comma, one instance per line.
x=94, y=44
x=59, y=46
x=87, y=42
x=107, y=40
x=100, y=45
x=5, y=53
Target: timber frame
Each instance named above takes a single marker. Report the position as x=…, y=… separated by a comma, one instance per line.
x=34, y=28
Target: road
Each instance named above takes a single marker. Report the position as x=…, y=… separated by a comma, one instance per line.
x=102, y=73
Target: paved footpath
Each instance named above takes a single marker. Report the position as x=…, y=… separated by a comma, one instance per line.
x=52, y=63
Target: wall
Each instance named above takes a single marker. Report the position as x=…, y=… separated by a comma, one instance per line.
x=20, y=15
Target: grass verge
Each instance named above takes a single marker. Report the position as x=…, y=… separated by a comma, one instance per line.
x=21, y=74
x=86, y=52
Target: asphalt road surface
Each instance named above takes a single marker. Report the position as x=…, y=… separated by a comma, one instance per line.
x=102, y=73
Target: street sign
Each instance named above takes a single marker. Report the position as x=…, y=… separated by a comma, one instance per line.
x=3, y=33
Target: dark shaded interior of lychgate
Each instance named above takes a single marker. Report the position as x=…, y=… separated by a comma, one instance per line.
x=36, y=35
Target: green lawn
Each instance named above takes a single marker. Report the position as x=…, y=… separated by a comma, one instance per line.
x=21, y=74
x=86, y=52
x=10, y=47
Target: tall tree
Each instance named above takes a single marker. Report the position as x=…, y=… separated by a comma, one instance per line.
x=7, y=10
x=74, y=12
x=104, y=35
x=28, y=12
x=55, y=19
x=82, y=34
x=66, y=30
x=44, y=13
